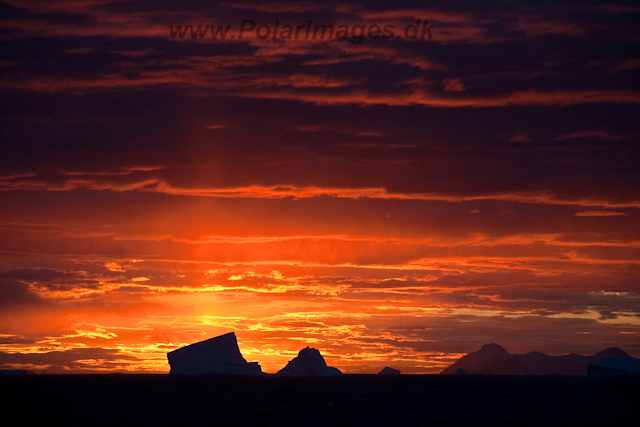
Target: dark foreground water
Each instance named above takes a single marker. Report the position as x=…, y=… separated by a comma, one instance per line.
x=351, y=400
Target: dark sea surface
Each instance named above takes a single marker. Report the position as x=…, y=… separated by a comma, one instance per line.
x=353, y=400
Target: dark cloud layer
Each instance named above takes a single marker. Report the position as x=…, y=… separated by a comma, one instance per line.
x=70, y=360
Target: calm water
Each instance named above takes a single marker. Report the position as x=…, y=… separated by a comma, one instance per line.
x=354, y=400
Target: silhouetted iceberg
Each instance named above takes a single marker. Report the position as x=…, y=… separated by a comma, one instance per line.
x=493, y=359
x=389, y=371
x=615, y=368
x=13, y=372
x=309, y=363
x=215, y=356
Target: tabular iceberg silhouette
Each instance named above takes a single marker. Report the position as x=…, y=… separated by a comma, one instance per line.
x=215, y=356
x=309, y=363
x=12, y=372
x=615, y=368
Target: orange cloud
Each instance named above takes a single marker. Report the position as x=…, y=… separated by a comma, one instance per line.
x=600, y=213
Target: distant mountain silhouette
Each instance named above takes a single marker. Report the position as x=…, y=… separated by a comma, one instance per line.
x=389, y=371
x=494, y=359
x=215, y=356
x=309, y=363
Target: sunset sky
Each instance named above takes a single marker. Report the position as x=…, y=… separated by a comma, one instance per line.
x=389, y=201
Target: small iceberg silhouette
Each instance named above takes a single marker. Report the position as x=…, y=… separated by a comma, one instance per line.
x=309, y=363
x=389, y=371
